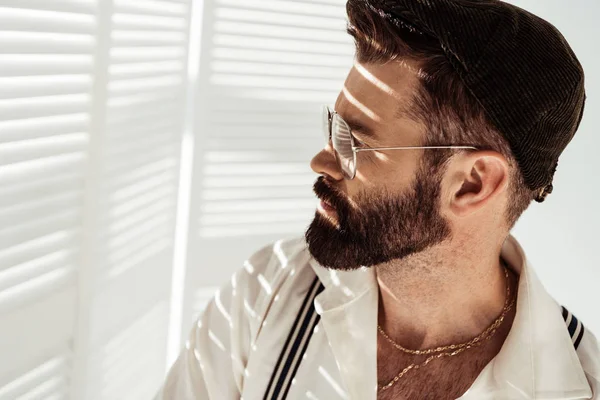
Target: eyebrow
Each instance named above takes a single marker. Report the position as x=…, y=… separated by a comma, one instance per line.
x=357, y=126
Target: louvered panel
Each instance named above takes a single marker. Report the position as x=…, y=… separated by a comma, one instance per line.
x=138, y=183
x=46, y=60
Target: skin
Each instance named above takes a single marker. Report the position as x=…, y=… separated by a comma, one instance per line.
x=452, y=290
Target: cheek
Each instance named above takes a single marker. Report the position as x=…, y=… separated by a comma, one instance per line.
x=394, y=171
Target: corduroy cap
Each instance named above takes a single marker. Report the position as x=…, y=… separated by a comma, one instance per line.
x=518, y=66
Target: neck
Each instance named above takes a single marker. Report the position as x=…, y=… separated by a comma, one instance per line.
x=441, y=296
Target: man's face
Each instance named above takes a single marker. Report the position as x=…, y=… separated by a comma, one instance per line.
x=391, y=208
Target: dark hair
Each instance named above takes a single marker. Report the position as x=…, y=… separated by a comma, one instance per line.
x=451, y=114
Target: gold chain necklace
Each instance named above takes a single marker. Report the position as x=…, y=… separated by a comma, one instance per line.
x=457, y=348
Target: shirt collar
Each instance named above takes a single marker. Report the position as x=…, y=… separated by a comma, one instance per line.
x=537, y=359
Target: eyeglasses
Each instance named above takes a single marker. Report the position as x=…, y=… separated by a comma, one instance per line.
x=338, y=131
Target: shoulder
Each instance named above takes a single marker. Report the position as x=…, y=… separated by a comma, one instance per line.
x=586, y=346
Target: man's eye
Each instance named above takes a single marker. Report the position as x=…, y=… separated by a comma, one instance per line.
x=360, y=144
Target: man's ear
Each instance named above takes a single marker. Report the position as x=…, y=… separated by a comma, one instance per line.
x=477, y=179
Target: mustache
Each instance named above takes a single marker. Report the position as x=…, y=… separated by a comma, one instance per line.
x=328, y=193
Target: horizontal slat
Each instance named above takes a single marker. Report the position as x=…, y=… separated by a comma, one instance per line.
x=54, y=388
x=324, y=2
x=15, y=42
x=124, y=164
x=142, y=214
x=43, y=106
x=135, y=21
x=243, y=156
x=145, y=114
x=252, y=193
x=154, y=241
x=127, y=178
x=157, y=101
x=26, y=272
x=44, y=64
x=38, y=247
x=48, y=166
x=281, y=57
x=151, y=7
x=237, y=219
x=143, y=187
x=280, y=96
x=261, y=43
x=145, y=38
x=145, y=69
x=36, y=288
x=288, y=7
x=33, y=128
x=308, y=134
x=274, y=18
x=73, y=6
x=18, y=87
x=45, y=225
x=245, y=206
x=141, y=85
x=289, y=144
x=31, y=149
x=53, y=373
x=278, y=31
x=126, y=207
x=271, y=181
x=147, y=53
x=247, y=231
x=273, y=69
x=223, y=103
x=135, y=146
x=16, y=19
x=243, y=169
x=267, y=118
x=50, y=203
x=236, y=80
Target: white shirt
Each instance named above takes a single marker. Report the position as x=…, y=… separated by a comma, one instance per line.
x=233, y=349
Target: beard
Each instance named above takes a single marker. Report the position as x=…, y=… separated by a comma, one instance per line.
x=381, y=227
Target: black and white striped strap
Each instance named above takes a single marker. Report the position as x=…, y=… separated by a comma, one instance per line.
x=574, y=326
x=295, y=345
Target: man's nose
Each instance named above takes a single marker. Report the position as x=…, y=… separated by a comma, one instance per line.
x=324, y=163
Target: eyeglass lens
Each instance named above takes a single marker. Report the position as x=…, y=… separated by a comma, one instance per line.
x=339, y=132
